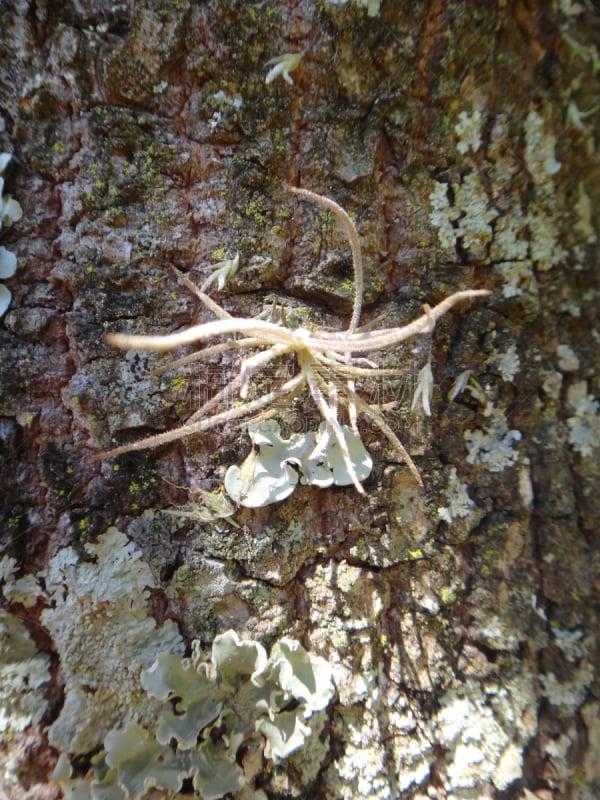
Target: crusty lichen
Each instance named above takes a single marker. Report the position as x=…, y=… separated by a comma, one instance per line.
x=480, y=211
x=459, y=504
x=24, y=590
x=483, y=728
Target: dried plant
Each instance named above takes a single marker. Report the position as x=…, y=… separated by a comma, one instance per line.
x=328, y=361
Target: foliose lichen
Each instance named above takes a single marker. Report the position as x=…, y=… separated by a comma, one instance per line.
x=212, y=706
x=23, y=672
x=270, y=472
x=24, y=590
x=97, y=615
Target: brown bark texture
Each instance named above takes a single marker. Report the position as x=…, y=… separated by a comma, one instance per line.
x=458, y=620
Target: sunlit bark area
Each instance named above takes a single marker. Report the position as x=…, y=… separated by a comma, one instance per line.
x=411, y=642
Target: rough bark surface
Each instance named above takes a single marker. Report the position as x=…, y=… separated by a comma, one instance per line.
x=460, y=621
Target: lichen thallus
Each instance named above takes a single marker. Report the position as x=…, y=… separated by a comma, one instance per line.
x=328, y=361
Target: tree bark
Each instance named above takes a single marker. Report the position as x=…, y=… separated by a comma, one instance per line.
x=460, y=620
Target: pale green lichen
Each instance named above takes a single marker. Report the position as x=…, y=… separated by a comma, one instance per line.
x=571, y=8
x=223, y=101
x=468, y=130
x=23, y=672
x=140, y=762
x=481, y=212
x=240, y=677
x=443, y=215
x=519, y=278
x=574, y=645
x=511, y=246
x=97, y=615
x=132, y=763
x=474, y=226
x=568, y=694
x=540, y=154
x=584, y=424
x=567, y=358
x=459, y=504
x=544, y=248
x=507, y=363
x=212, y=707
x=468, y=219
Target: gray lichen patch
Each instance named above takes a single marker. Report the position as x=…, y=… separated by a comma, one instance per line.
x=98, y=618
x=496, y=217
x=364, y=770
x=494, y=447
x=483, y=730
x=482, y=727
x=235, y=701
x=23, y=672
